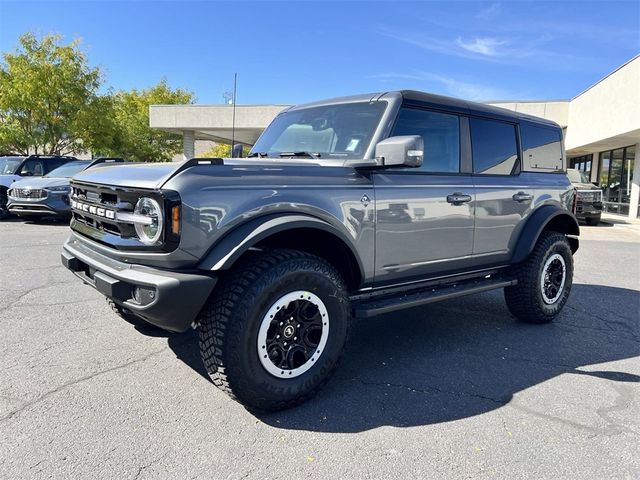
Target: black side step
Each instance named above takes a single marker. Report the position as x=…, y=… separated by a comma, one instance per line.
x=377, y=306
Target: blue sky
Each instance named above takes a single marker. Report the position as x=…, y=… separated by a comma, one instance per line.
x=292, y=52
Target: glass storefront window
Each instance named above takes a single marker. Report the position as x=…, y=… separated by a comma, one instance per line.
x=603, y=177
x=582, y=163
x=616, y=174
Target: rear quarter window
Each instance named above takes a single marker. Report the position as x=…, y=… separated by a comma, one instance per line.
x=542, y=147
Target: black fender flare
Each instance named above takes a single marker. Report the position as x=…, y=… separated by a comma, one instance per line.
x=234, y=244
x=546, y=217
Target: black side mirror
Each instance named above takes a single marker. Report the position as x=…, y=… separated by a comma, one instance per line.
x=236, y=151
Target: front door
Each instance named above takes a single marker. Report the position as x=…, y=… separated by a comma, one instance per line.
x=424, y=215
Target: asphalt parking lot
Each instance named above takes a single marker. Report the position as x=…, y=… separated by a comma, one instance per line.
x=453, y=390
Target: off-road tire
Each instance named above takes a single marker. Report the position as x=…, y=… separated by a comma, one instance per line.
x=525, y=300
x=592, y=221
x=229, y=323
x=126, y=315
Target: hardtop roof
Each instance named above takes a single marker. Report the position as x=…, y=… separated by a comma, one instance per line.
x=438, y=102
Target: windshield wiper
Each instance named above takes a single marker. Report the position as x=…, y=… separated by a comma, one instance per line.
x=300, y=154
x=258, y=154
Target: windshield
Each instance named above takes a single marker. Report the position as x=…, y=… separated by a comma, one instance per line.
x=330, y=131
x=576, y=176
x=67, y=170
x=9, y=165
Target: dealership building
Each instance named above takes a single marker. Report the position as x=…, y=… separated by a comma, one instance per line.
x=601, y=125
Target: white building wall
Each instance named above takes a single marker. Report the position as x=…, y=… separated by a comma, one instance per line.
x=609, y=109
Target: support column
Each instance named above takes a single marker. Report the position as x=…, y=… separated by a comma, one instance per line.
x=188, y=144
x=635, y=185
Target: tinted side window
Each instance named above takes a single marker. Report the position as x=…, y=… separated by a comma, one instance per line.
x=542, y=146
x=441, y=135
x=53, y=164
x=32, y=168
x=494, y=146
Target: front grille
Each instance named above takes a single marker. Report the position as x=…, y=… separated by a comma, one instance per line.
x=98, y=215
x=27, y=193
x=95, y=210
x=589, y=196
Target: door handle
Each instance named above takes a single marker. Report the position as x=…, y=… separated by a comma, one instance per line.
x=458, y=198
x=522, y=197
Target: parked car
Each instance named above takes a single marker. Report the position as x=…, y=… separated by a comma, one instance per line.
x=271, y=257
x=36, y=197
x=14, y=168
x=588, y=197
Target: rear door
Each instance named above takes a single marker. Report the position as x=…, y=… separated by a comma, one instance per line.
x=503, y=196
x=425, y=215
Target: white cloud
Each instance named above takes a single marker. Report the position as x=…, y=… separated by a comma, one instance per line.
x=447, y=85
x=484, y=46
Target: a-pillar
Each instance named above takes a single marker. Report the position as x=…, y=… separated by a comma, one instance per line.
x=188, y=144
x=635, y=185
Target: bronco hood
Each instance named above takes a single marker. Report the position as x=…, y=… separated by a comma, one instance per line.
x=141, y=175
x=155, y=175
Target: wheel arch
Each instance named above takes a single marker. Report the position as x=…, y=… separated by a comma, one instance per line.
x=546, y=218
x=294, y=231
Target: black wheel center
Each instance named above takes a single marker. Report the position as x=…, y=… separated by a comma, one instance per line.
x=294, y=334
x=288, y=331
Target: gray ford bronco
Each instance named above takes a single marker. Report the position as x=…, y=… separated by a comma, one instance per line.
x=345, y=208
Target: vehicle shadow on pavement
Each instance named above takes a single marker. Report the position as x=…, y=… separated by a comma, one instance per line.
x=184, y=345
x=466, y=357
x=458, y=359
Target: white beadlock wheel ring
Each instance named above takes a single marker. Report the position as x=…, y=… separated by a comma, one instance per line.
x=272, y=316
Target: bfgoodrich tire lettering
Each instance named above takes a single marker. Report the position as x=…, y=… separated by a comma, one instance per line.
x=526, y=300
x=230, y=322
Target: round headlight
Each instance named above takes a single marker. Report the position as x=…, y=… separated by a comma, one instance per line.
x=148, y=207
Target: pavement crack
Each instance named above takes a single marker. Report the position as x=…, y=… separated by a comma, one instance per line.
x=430, y=390
x=142, y=468
x=22, y=295
x=77, y=381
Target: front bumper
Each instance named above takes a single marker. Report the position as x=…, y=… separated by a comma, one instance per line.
x=588, y=209
x=53, y=204
x=168, y=299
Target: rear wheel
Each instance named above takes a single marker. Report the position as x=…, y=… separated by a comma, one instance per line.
x=592, y=221
x=274, y=331
x=544, y=280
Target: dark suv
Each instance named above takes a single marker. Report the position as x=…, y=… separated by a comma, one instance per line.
x=346, y=208
x=588, y=197
x=14, y=168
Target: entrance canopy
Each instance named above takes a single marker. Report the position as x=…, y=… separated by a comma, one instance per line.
x=214, y=122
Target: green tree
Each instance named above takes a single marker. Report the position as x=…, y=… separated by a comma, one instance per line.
x=222, y=150
x=49, y=102
x=134, y=139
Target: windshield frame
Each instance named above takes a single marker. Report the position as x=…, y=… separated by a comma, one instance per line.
x=6, y=161
x=583, y=176
x=392, y=102
x=85, y=163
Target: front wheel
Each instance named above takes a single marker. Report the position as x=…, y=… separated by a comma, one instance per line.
x=274, y=331
x=544, y=280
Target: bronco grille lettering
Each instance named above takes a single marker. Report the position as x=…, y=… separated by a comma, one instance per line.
x=93, y=210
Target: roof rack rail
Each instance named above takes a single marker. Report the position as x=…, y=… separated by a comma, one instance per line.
x=51, y=155
x=106, y=160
